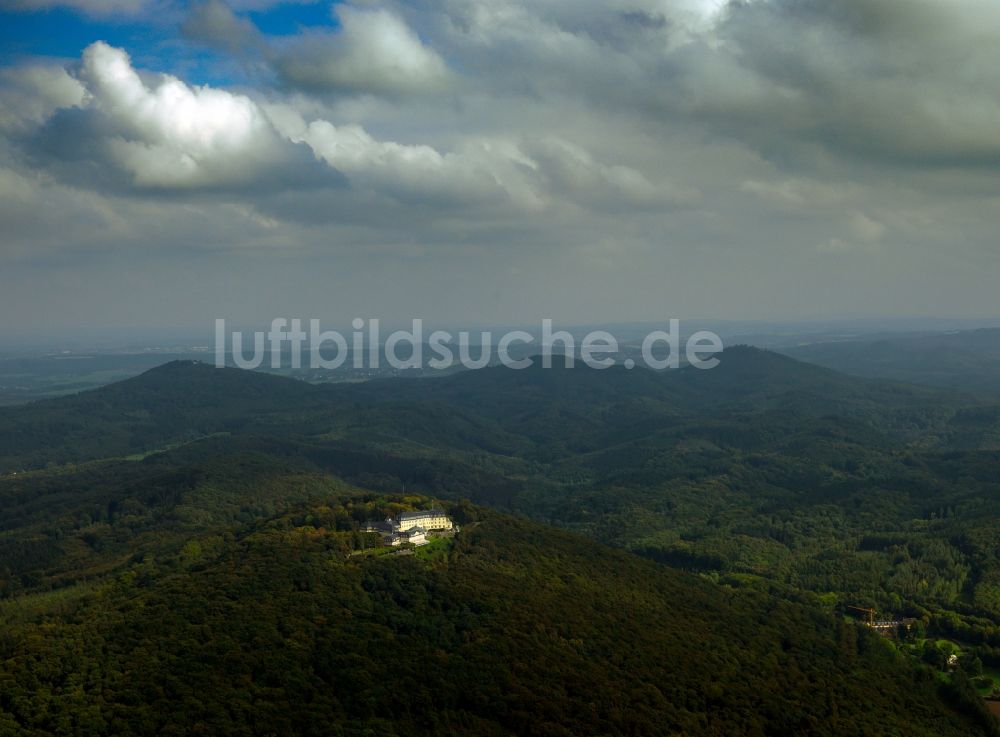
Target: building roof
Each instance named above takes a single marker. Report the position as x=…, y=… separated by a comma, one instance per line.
x=421, y=513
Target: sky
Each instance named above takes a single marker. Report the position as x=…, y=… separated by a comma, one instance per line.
x=165, y=163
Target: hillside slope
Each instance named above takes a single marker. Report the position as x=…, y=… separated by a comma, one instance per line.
x=518, y=629
x=177, y=401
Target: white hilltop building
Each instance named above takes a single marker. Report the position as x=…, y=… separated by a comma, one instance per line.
x=414, y=527
x=431, y=520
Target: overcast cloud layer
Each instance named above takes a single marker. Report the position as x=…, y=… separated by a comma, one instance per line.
x=474, y=161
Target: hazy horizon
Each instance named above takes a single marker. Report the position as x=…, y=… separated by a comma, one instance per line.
x=763, y=333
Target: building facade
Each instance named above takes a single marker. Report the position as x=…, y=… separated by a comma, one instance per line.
x=431, y=520
x=413, y=527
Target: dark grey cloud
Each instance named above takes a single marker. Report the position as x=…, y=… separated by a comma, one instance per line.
x=907, y=82
x=97, y=8
x=214, y=23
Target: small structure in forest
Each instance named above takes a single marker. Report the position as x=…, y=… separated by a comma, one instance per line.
x=887, y=627
x=413, y=527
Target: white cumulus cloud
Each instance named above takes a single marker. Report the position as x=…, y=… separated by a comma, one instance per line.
x=158, y=132
x=170, y=134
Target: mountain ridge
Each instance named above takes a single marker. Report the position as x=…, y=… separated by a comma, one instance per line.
x=183, y=400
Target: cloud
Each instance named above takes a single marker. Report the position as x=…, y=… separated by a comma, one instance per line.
x=491, y=173
x=115, y=128
x=202, y=120
x=214, y=23
x=108, y=9
x=572, y=169
x=30, y=94
x=907, y=82
x=169, y=134
x=484, y=172
x=802, y=195
x=682, y=154
x=97, y=8
x=865, y=228
x=901, y=81
x=142, y=132
x=373, y=51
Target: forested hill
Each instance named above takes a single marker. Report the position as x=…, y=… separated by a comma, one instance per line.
x=498, y=408
x=274, y=628
x=175, y=402
x=746, y=377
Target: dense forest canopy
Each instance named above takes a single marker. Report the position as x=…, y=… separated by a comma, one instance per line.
x=791, y=492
